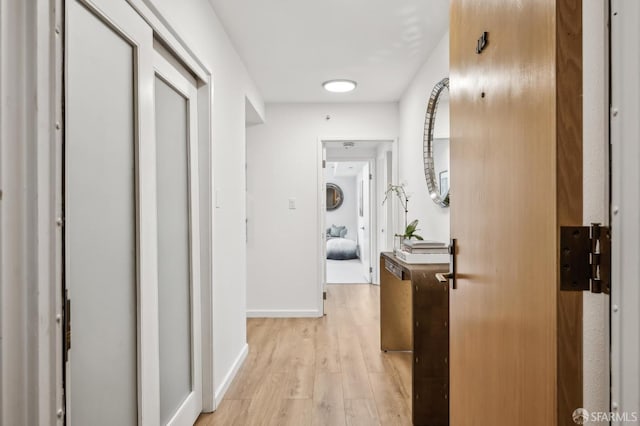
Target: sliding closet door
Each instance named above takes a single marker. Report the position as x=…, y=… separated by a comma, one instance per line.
x=178, y=243
x=110, y=255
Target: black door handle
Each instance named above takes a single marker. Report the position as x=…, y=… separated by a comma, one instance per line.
x=451, y=275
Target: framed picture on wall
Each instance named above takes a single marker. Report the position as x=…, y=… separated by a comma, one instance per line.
x=360, y=201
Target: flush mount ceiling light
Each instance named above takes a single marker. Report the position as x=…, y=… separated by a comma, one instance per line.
x=339, y=86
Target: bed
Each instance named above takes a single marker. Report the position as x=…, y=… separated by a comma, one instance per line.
x=339, y=247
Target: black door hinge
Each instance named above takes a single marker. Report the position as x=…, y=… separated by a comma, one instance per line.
x=585, y=258
x=66, y=314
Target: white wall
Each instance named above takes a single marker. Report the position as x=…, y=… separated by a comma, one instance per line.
x=283, y=156
x=347, y=213
x=198, y=26
x=384, y=176
x=433, y=220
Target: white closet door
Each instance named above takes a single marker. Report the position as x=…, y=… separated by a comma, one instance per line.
x=178, y=244
x=110, y=247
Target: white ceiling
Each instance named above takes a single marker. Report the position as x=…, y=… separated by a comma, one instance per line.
x=353, y=150
x=291, y=46
x=346, y=168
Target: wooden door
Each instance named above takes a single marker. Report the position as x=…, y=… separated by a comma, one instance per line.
x=516, y=153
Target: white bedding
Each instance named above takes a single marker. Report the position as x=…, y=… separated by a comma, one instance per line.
x=341, y=249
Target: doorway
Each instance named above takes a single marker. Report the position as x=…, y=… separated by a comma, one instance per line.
x=347, y=216
x=365, y=168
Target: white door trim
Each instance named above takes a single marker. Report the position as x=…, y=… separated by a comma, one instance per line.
x=625, y=200
x=30, y=260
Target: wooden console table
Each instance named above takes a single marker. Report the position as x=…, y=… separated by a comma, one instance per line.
x=414, y=316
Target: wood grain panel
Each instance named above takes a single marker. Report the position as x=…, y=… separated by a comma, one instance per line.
x=327, y=351
x=396, y=331
x=265, y=393
x=392, y=406
x=328, y=400
x=569, y=199
x=506, y=162
x=230, y=412
x=294, y=412
x=355, y=379
x=361, y=412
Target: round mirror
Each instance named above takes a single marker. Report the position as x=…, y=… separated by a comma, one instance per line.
x=334, y=196
x=436, y=144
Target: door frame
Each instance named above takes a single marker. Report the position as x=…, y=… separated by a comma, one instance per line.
x=371, y=162
x=30, y=235
x=373, y=223
x=625, y=203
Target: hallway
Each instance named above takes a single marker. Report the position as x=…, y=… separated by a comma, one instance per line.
x=327, y=371
x=345, y=272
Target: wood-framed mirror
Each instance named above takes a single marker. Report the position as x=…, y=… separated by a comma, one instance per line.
x=436, y=144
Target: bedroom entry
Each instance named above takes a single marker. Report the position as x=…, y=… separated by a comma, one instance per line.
x=346, y=218
x=353, y=220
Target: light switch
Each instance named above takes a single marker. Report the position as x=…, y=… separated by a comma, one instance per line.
x=216, y=195
x=292, y=203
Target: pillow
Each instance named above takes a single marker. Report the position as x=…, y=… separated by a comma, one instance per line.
x=337, y=231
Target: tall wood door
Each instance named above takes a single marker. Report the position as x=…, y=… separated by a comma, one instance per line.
x=516, y=153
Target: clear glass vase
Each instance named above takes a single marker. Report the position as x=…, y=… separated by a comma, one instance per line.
x=397, y=242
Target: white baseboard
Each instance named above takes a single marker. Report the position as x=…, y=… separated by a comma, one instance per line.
x=231, y=374
x=282, y=313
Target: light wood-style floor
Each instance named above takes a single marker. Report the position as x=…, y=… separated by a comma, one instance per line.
x=320, y=371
